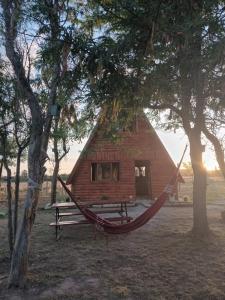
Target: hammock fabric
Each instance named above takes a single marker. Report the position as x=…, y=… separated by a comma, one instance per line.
x=108, y=227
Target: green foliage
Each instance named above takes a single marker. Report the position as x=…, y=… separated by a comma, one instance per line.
x=7, y=142
x=152, y=53
x=70, y=46
x=14, y=117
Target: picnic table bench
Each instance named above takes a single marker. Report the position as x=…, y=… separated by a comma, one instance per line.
x=61, y=212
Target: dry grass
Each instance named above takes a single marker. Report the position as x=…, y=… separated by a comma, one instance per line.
x=215, y=189
x=158, y=261
x=44, y=194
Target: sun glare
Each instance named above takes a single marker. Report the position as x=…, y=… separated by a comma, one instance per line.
x=210, y=161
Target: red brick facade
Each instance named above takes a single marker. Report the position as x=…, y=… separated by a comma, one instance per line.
x=142, y=144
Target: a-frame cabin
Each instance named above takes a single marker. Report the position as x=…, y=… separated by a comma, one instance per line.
x=136, y=166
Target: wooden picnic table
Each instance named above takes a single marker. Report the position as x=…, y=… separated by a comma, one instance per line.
x=67, y=209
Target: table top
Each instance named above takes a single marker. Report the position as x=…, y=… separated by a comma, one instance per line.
x=88, y=203
x=63, y=204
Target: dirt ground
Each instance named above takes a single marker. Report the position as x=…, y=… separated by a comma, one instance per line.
x=158, y=261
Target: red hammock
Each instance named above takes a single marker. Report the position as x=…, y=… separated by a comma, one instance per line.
x=141, y=220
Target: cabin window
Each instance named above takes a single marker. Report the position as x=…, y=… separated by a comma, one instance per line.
x=105, y=171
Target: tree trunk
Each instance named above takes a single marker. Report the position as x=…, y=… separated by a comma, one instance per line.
x=56, y=169
x=40, y=129
x=58, y=158
x=17, y=186
x=4, y=143
x=9, y=201
x=1, y=167
x=200, y=222
x=54, y=182
x=19, y=263
x=56, y=165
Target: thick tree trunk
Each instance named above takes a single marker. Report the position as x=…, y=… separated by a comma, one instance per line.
x=200, y=222
x=39, y=133
x=17, y=187
x=19, y=264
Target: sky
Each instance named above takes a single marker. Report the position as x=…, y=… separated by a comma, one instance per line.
x=173, y=142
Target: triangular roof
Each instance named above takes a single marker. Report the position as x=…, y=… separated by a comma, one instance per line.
x=90, y=139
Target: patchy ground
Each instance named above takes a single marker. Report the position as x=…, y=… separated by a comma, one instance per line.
x=158, y=261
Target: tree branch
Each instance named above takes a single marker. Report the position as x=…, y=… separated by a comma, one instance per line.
x=219, y=151
x=65, y=150
x=166, y=106
x=11, y=11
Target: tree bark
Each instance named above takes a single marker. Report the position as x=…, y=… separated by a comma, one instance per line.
x=4, y=142
x=19, y=263
x=9, y=200
x=9, y=197
x=1, y=167
x=200, y=222
x=39, y=134
x=17, y=186
x=54, y=182
x=56, y=166
x=57, y=159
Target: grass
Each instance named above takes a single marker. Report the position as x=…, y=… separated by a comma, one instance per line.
x=215, y=189
x=161, y=260
x=44, y=194
x=158, y=261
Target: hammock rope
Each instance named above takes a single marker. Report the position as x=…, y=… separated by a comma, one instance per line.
x=139, y=221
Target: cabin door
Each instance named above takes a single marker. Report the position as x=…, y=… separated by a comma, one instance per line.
x=143, y=179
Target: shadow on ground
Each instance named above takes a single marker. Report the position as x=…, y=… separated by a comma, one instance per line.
x=158, y=261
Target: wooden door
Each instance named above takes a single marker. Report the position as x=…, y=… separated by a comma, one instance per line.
x=143, y=179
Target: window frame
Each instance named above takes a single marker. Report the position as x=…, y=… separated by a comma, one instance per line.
x=107, y=180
